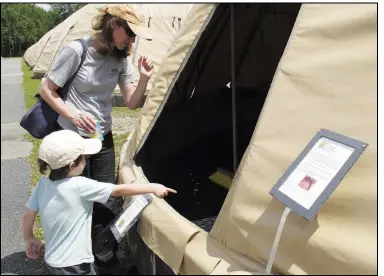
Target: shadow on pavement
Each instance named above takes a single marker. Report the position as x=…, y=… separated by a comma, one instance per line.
x=19, y=264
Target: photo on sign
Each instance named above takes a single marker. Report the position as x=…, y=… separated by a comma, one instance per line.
x=314, y=173
x=121, y=223
x=307, y=182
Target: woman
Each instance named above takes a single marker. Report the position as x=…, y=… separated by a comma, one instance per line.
x=89, y=96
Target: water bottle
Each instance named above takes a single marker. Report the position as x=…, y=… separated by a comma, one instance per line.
x=98, y=133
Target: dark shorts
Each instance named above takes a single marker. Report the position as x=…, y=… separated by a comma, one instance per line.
x=81, y=269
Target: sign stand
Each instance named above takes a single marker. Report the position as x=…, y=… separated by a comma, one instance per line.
x=272, y=254
x=312, y=177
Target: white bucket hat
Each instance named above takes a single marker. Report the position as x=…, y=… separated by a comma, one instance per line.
x=60, y=148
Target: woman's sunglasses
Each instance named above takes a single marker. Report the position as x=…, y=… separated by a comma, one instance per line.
x=129, y=32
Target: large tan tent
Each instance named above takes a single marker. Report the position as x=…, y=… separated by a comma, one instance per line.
x=28, y=55
x=60, y=33
x=296, y=69
x=32, y=54
x=163, y=20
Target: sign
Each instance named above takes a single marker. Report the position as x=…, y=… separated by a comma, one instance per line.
x=317, y=171
x=129, y=217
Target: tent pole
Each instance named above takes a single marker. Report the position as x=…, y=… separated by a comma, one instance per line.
x=233, y=85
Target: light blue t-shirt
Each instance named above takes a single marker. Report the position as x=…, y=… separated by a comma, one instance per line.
x=65, y=208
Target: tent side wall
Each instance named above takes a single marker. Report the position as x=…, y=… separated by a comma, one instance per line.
x=39, y=48
x=327, y=78
x=32, y=54
x=163, y=32
x=164, y=22
x=82, y=28
x=59, y=33
x=177, y=52
x=28, y=54
x=170, y=249
x=50, y=48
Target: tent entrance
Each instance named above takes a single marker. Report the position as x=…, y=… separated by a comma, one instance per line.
x=193, y=135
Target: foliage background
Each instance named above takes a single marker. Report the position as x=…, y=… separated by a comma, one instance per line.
x=22, y=25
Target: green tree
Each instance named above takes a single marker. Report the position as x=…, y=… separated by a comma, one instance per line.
x=63, y=11
x=21, y=26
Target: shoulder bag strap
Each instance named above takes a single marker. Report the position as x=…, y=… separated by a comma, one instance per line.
x=64, y=91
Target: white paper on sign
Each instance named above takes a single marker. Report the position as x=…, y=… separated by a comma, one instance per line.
x=306, y=183
x=131, y=213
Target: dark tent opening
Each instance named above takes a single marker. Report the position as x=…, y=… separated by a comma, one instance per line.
x=193, y=135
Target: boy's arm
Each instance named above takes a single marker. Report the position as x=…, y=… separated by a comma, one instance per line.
x=28, y=222
x=32, y=245
x=92, y=190
x=138, y=189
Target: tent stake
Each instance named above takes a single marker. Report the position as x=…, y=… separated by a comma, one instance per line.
x=233, y=85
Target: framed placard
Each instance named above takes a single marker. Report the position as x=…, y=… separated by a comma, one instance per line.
x=317, y=172
x=130, y=216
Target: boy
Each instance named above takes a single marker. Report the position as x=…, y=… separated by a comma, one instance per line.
x=65, y=203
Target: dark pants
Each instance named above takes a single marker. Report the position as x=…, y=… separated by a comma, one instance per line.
x=101, y=167
x=81, y=269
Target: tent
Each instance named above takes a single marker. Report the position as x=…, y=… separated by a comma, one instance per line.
x=28, y=55
x=32, y=54
x=164, y=21
x=60, y=34
x=281, y=72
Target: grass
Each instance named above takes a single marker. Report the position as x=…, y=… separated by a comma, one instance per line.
x=30, y=85
x=34, y=178
x=30, y=88
x=123, y=111
x=119, y=140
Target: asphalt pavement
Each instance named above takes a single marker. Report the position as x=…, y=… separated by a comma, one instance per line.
x=15, y=173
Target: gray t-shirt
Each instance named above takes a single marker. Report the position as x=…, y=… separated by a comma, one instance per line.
x=65, y=209
x=91, y=90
